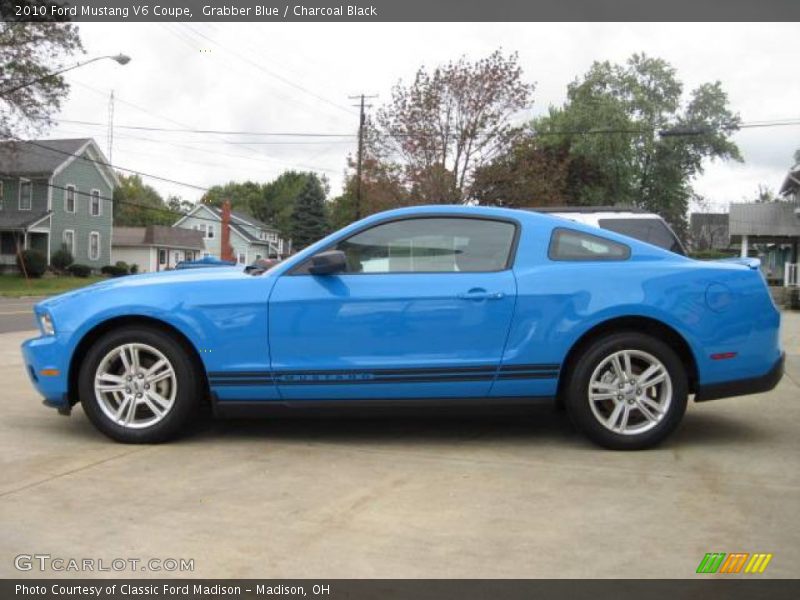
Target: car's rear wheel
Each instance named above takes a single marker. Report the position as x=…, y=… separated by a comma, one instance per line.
x=138, y=385
x=627, y=391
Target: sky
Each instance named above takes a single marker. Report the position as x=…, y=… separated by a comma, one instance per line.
x=297, y=78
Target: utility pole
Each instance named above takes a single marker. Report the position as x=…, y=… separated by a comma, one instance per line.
x=110, y=134
x=361, y=122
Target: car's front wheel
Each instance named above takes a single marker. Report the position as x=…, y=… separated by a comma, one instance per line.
x=627, y=391
x=138, y=385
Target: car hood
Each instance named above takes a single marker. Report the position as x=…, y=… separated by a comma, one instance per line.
x=145, y=280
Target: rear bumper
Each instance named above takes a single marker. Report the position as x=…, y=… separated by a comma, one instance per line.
x=742, y=387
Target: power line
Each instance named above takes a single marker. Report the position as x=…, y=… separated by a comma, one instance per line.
x=263, y=69
x=111, y=166
x=178, y=215
x=215, y=131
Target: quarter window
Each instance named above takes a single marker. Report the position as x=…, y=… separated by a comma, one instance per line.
x=569, y=244
x=431, y=245
x=69, y=199
x=94, y=246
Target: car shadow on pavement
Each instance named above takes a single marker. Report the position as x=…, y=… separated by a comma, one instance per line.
x=540, y=425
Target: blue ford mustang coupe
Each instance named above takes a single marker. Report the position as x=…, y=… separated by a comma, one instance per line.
x=425, y=304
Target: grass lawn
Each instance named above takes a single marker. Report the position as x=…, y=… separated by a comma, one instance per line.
x=15, y=286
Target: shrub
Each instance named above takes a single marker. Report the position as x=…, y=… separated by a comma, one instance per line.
x=134, y=269
x=114, y=270
x=62, y=259
x=35, y=263
x=79, y=270
x=121, y=264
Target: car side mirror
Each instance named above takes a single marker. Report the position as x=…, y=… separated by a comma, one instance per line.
x=328, y=263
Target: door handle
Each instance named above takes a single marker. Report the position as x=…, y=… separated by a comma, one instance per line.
x=481, y=295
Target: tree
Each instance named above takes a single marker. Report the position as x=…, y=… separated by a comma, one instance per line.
x=138, y=205
x=278, y=199
x=381, y=189
x=448, y=122
x=528, y=174
x=765, y=194
x=242, y=196
x=28, y=53
x=309, y=220
x=178, y=205
x=640, y=141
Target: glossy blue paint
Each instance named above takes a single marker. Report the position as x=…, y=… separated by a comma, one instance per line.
x=285, y=336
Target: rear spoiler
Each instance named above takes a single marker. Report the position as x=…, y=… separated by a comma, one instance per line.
x=751, y=263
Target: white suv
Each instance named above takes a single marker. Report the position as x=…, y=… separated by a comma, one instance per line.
x=633, y=222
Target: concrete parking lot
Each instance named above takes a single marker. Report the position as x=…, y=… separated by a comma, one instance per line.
x=502, y=497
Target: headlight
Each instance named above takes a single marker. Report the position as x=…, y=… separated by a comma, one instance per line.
x=46, y=323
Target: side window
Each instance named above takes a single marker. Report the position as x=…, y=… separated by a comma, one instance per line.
x=431, y=245
x=568, y=244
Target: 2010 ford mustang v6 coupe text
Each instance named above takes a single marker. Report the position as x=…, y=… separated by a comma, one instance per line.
x=419, y=304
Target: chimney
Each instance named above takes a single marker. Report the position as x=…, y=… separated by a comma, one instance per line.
x=226, y=252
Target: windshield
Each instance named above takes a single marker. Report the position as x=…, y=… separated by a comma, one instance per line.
x=653, y=231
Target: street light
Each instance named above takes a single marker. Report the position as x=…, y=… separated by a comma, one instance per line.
x=122, y=59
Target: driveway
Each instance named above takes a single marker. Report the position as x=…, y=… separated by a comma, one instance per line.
x=502, y=497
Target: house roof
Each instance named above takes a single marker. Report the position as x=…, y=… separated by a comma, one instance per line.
x=20, y=220
x=247, y=219
x=768, y=219
x=39, y=157
x=158, y=235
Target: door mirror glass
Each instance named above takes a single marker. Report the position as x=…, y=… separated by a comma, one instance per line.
x=328, y=263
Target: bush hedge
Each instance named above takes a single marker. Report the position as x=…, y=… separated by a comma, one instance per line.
x=62, y=259
x=35, y=263
x=114, y=270
x=79, y=270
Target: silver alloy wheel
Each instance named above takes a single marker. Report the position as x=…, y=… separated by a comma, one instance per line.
x=135, y=385
x=630, y=392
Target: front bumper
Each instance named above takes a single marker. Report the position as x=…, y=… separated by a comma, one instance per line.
x=46, y=364
x=742, y=387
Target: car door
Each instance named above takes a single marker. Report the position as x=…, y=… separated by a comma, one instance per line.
x=421, y=311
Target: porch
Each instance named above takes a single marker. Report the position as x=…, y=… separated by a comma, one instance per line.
x=14, y=241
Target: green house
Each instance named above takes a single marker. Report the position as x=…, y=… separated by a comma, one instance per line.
x=56, y=193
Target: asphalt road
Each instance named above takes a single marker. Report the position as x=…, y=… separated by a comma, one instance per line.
x=488, y=497
x=16, y=314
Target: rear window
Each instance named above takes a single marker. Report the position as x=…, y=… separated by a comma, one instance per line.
x=652, y=231
x=568, y=244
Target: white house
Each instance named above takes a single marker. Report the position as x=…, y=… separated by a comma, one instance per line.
x=156, y=247
x=250, y=238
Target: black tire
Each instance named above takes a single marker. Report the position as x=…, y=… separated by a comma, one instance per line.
x=189, y=386
x=579, y=407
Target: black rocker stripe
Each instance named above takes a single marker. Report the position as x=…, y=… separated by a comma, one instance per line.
x=421, y=375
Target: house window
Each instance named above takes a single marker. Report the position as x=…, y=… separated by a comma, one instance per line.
x=94, y=246
x=94, y=204
x=25, y=194
x=68, y=238
x=2, y=195
x=210, y=231
x=162, y=256
x=242, y=258
x=69, y=199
